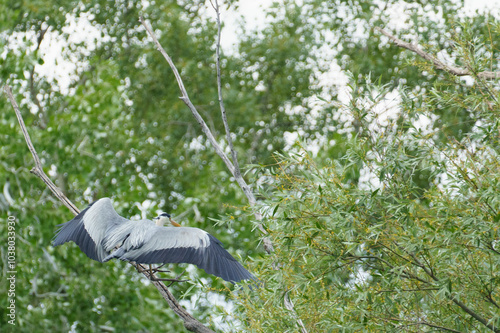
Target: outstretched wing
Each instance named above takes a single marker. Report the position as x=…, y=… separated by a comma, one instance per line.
x=88, y=228
x=183, y=245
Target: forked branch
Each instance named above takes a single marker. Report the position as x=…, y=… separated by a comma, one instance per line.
x=185, y=98
x=267, y=242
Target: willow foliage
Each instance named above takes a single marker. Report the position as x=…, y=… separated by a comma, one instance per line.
x=402, y=232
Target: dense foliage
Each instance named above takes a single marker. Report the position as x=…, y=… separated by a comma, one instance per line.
x=413, y=246
x=383, y=215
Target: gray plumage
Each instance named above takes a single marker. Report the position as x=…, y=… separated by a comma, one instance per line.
x=103, y=235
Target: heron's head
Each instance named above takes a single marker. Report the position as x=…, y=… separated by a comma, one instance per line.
x=165, y=219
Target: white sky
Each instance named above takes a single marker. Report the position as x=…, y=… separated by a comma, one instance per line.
x=253, y=13
x=472, y=5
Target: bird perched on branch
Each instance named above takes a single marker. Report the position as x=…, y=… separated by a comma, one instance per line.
x=103, y=235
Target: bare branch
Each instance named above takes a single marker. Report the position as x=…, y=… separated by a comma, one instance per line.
x=289, y=306
x=416, y=323
x=185, y=98
x=187, y=101
x=190, y=322
x=38, y=169
x=437, y=63
x=219, y=89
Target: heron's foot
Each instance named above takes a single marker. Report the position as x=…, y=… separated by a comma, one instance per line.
x=151, y=270
x=152, y=277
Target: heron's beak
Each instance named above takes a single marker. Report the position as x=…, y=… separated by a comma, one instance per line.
x=175, y=224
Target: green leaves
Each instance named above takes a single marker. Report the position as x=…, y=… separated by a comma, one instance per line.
x=423, y=244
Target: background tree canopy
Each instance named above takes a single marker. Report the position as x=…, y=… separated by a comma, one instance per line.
x=377, y=175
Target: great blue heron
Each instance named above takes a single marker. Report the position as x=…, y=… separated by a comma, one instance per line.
x=103, y=235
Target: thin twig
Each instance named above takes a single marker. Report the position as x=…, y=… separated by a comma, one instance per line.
x=234, y=154
x=33, y=94
x=416, y=323
x=437, y=63
x=190, y=322
x=290, y=307
x=178, y=277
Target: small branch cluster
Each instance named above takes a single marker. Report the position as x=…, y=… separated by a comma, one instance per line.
x=431, y=282
x=437, y=63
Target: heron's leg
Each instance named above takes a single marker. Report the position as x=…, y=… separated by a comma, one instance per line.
x=139, y=268
x=157, y=269
x=151, y=271
x=171, y=280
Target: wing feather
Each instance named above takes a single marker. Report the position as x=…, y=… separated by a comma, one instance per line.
x=186, y=245
x=88, y=228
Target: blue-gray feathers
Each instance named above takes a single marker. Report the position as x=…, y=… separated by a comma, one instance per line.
x=75, y=231
x=104, y=235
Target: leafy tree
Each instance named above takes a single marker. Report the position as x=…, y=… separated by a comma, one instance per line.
x=401, y=233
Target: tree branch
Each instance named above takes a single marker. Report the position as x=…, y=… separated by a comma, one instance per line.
x=33, y=92
x=185, y=98
x=38, y=169
x=416, y=323
x=190, y=322
x=233, y=168
x=437, y=63
x=187, y=101
x=454, y=298
x=290, y=307
x=219, y=89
